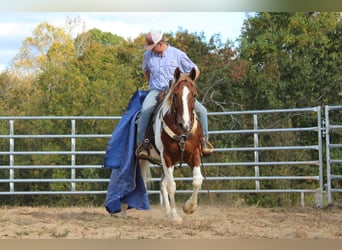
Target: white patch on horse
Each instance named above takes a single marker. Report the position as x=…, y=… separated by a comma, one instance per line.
x=157, y=130
x=191, y=204
x=186, y=112
x=197, y=177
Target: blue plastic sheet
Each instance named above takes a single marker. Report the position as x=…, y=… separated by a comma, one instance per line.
x=126, y=184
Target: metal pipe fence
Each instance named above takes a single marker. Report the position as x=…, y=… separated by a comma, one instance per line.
x=333, y=161
x=250, y=132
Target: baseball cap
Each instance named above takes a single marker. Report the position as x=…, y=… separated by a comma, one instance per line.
x=152, y=38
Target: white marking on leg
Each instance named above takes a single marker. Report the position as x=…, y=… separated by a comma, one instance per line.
x=170, y=185
x=197, y=177
x=164, y=195
x=167, y=184
x=191, y=204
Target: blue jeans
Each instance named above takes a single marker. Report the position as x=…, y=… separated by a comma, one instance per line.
x=149, y=105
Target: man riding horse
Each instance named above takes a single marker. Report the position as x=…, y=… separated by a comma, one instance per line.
x=159, y=63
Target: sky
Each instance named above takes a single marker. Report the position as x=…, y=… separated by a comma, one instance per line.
x=16, y=26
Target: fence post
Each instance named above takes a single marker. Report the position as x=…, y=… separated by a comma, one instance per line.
x=256, y=152
x=11, y=156
x=327, y=139
x=319, y=194
x=73, y=156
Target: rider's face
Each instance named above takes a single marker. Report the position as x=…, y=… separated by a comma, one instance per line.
x=158, y=48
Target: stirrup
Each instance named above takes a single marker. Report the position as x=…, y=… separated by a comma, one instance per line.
x=207, y=147
x=143, y=150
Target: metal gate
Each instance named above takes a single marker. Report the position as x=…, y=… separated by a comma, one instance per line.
x=253, y=129
x=333, y=134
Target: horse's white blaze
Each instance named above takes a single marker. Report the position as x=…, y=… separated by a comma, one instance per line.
x=186, y=112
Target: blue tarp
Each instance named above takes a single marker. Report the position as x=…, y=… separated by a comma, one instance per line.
x=126, y=184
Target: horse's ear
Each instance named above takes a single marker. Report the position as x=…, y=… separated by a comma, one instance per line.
x=193, y=74
x=176, y=74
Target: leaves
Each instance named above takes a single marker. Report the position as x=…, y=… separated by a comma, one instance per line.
x=289, y=56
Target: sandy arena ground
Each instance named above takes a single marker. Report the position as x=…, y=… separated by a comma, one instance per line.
x=208, y=222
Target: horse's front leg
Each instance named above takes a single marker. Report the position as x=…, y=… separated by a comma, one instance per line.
x=168, y=190
x=191, y=204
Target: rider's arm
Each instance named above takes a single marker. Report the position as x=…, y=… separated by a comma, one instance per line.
x=147, y=76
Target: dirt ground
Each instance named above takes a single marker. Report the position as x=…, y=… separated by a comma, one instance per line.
x=208, y=222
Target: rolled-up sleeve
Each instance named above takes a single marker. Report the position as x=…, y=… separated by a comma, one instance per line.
x=186, y=64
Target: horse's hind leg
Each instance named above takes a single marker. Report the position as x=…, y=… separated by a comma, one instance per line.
x=168, y=190
x=191, y=204
x=145, y=171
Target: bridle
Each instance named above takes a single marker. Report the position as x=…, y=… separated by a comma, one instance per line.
x=182, y=138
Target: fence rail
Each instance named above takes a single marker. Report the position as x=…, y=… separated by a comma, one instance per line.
x=11, y=155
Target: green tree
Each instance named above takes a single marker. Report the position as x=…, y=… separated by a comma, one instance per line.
x=46, y=39
x=289, y=59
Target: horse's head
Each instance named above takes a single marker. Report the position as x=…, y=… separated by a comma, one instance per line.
x=183, y=99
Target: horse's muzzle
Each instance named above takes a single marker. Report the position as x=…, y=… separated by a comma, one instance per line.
x=185, y=128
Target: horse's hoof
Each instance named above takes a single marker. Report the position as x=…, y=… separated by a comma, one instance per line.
x=188, y=211
x=189, y=208
x=175, y=218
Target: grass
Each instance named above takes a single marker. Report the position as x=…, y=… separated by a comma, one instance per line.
x=22, y=233
x=56, y=234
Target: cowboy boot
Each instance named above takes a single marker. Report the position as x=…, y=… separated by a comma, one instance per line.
x=143, y=150
x=207, y=147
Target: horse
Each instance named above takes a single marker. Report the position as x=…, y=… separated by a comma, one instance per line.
x=177, y=132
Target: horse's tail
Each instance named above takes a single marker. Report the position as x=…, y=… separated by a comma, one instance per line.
x=145, y=172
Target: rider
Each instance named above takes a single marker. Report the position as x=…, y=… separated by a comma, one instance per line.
x=159, y=63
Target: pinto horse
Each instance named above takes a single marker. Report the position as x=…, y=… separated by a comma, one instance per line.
x=177, y=133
